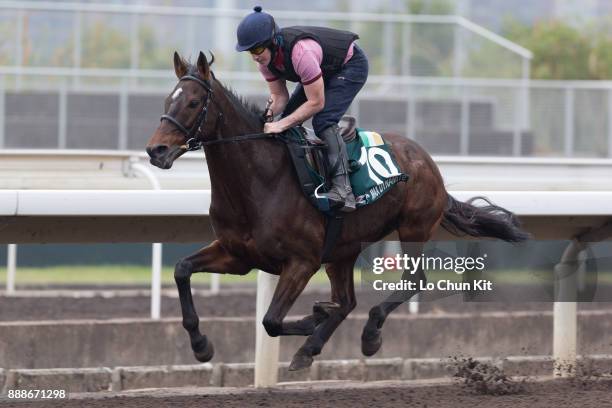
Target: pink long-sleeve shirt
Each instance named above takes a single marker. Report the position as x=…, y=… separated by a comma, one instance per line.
x=306, y=57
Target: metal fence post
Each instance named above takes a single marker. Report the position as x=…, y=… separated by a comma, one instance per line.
x=19, y=47
x=406, y=48
x=464, y=146
x=123, y=116
x=517, y=127
x=388, y=45
x=76, y=53
x=564, y=311
x=458, y=51
x=11, y=268
x=526, y=102
x=569, y=122
x=62, y=120
x=2, y=111
x=266, y=347
x=191, y=33
x=411, y=113
x=134, y=41
x=215, y=283
x=610, y=122
x=156, y=261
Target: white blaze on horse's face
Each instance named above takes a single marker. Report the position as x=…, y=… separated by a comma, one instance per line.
x=177, y=93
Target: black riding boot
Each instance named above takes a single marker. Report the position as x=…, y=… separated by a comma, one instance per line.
x=340, y=195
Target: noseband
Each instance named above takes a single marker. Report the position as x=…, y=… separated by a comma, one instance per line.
x=192, y=141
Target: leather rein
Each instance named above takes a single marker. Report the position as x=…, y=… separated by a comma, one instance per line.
x=192, y=141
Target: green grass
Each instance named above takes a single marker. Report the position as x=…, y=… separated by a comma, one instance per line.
x=134, y=274
x=120, y=274
x=74, y=274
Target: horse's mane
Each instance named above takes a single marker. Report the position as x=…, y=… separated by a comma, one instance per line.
x=250, y=108
x=250, y=111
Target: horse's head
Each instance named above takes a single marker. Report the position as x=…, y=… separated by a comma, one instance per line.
x=189, y=115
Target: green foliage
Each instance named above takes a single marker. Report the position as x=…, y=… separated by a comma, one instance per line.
x=600, y=59
x=105, y=47
x=431, y=45
x=153, y=55
x=7, y=28
x=486, y=59
x=416, y=6
x=563, y=51
x=429, y=7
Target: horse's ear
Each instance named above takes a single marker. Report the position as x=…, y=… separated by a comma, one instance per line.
x=180, y=66
x=212, y=58
x=203, y=67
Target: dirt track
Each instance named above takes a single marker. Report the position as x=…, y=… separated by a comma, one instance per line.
x=545, y=394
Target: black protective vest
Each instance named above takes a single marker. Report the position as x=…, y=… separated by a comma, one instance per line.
x=335, y=45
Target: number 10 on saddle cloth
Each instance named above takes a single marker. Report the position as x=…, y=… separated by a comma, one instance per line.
x=373, y=167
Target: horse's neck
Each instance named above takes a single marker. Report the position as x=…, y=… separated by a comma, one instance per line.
x=242, y=173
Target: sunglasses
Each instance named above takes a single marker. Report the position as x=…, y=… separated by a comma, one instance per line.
x=257, y=50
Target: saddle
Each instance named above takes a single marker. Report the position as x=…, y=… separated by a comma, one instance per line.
x=307, y=152
x=372, y=169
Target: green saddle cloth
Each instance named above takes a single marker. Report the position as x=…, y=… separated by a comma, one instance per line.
x=373, y=168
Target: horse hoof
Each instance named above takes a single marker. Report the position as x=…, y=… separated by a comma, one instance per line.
x=203, y=350
x=371, y=344
x=300, y=361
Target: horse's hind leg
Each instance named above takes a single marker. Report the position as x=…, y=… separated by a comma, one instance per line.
x=371, y=339
x=343, y=297
x=292, y=281
x=307, y=325
x=213, y=258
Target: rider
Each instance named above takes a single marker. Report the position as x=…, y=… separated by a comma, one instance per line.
x=330, y=68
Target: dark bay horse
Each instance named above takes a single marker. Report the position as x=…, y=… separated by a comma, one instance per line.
x=263, y=221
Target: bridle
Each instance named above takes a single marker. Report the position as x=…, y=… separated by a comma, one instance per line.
x=192, y=141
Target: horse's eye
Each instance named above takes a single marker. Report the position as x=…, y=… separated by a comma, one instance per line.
x=194, y=103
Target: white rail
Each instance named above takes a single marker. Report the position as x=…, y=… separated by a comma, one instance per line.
x=196, y=202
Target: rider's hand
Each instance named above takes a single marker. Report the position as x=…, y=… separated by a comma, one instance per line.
x=273, y=127
x=268, y=115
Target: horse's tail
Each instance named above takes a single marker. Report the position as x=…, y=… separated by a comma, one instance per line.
x=482, y=221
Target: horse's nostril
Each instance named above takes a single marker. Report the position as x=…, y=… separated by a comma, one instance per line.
x=157, y=150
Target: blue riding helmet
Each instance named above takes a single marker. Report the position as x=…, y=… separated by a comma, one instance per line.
x=255, y=29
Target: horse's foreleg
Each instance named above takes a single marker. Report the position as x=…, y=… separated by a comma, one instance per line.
x=371, y=339
x=213, y=258
x=343, y=297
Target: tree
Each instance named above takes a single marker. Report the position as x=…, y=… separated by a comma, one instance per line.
x=560, y=51
x=105, y=47
x=600, y=60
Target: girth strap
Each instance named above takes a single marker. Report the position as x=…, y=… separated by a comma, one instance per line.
x=333, y=227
